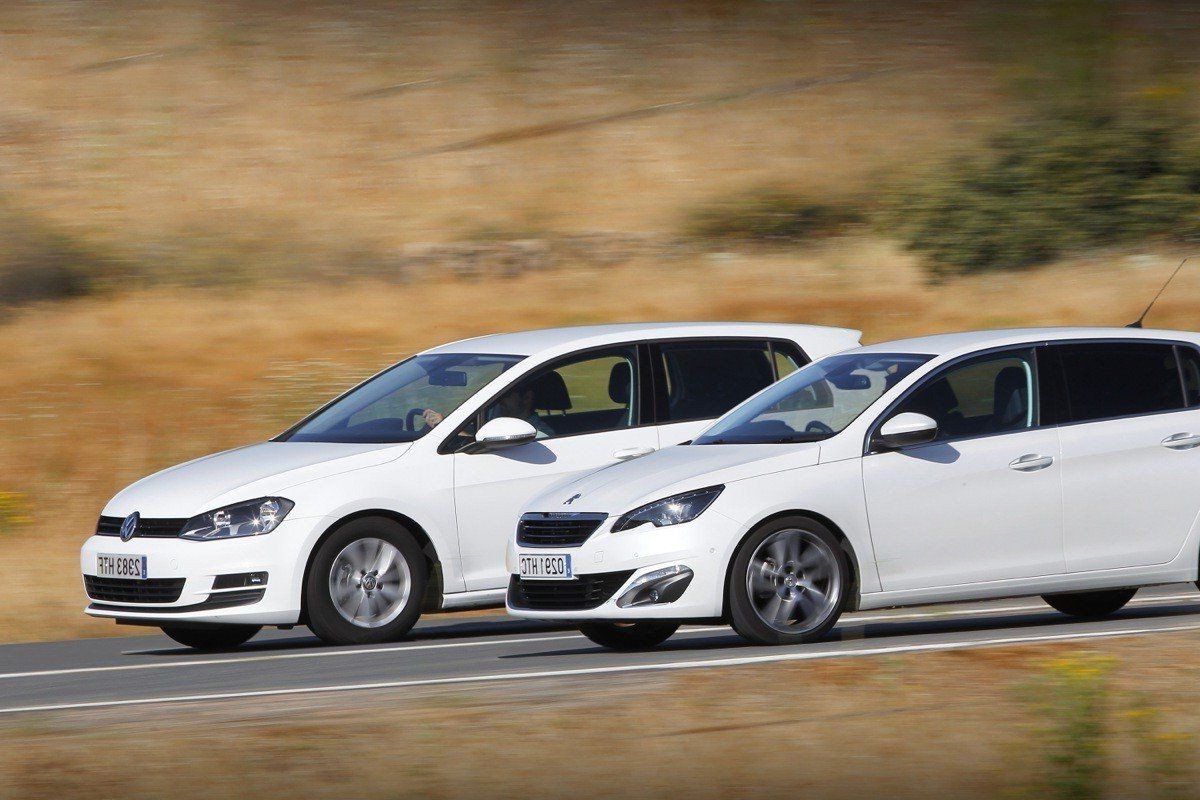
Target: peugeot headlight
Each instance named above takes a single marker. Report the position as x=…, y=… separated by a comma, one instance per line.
x=670, y=510
x=252, y=518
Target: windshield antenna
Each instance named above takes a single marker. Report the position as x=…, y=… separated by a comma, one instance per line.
x=1138, y=322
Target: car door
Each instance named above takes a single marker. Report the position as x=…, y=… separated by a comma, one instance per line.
x=1130, y=452
x=592, y=409
x=699, y=380
x=983, y=501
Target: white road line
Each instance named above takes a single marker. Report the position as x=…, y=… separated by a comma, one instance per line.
x=566, y=673
x=848, y=620
x=281, y=656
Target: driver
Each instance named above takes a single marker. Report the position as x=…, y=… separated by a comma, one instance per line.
x=517, y=403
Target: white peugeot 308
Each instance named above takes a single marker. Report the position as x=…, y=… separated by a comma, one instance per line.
x=403, y=493
x=1060, y=463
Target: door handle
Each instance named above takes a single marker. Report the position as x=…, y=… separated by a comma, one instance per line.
x=1031, y=462
x=632, y=452
x=1181, y=441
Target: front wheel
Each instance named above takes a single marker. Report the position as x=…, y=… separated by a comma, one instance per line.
x=366, y=583
x=789, y=583
x=629, y=635
x=224, y=637
x=1090, y=605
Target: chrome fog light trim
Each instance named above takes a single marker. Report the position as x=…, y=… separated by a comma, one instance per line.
x=657, y=587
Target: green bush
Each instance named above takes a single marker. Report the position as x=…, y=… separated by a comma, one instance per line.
x=767, y=216
x=41, y=262
x=1056, y=183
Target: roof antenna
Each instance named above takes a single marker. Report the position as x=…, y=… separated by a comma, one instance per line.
x=1138, y=322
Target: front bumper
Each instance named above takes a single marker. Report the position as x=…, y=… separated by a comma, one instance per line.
x=702, y=546
x=198, y=564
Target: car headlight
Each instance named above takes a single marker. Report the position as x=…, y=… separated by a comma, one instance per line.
x=252, y=518
x=670, y=510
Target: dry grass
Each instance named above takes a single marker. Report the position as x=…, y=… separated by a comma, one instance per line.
x=98, y=392
x=901, y=727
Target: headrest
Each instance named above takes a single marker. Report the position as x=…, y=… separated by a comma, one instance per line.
x=550, y=392
x=1010, y=402
x=619, y=380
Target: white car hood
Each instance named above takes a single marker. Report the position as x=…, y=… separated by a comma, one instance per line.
x=247, y=473
x=629, y=484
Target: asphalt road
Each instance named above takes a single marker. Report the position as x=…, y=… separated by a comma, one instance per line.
x=98, y=673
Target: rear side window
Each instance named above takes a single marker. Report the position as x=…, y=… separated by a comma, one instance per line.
x=1119, y=379
x=706, y=379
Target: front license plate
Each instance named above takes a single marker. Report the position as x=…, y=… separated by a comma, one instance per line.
x=546, y=567
x=120, y=566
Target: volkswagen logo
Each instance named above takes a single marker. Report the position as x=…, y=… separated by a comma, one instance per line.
x=129, y=526
x=572, y=498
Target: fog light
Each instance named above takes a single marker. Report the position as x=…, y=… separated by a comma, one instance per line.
x=659, y=586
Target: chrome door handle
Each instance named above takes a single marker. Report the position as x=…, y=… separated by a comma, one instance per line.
x=1181, y=441
x=632, y=452
x=1031, y=462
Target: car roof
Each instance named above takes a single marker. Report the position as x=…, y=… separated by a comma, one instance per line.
x=954, y=343
x=816, y=340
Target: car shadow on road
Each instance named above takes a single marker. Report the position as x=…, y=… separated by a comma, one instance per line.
x=301, y=639
x=884, y=631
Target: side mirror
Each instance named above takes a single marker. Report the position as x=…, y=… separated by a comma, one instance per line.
x=904, y=430
x=503, y=432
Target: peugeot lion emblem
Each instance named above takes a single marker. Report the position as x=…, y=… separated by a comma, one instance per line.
x=572, y=498
x=129, y=526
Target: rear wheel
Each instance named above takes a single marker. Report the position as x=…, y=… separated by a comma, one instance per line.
x=629, y=635
x=789, y=582
x=1090, y=604
x=224, y=637
x=366, y=583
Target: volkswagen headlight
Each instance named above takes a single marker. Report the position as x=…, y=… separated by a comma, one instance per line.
x=670, y=510
x=252, y=518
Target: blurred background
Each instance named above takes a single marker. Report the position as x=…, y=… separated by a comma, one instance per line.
x=215, y=215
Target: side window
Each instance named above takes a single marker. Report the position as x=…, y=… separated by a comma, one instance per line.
x=1189, y=362
x=787, y=359
x=706, y=379
x=994, y=393
x=1119, y=379
x=587, y=394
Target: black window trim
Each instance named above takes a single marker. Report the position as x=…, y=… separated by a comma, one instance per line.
x=660, y=371
x=940, y=370
x=1064, y=410
x=1059, y=411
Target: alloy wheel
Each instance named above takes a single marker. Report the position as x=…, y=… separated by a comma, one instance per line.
x=369, y=582
x=793, y=581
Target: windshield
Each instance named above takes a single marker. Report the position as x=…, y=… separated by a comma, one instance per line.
x=405, y=402
x=815, y=402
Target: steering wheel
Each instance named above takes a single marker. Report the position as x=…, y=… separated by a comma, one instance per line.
x=817, y=426
x=410, y=419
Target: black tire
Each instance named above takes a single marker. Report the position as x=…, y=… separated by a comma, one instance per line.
x=324, y=618
x=1090, y=605
x=630, y=635
x=742, y=611
x=224, y=637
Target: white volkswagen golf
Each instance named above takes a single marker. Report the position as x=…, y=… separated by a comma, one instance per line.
x=402, y=494
x=1062, y=463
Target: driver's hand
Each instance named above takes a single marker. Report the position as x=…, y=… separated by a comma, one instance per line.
x=431, y=417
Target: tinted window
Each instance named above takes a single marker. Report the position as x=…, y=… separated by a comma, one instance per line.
x=995, y=393
x=1189, y=362
x=815, y=402
x=787, y=359
x=1119, y=379
x=706, y=379
x=588, y=394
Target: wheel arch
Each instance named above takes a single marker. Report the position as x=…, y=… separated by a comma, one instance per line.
x=434, y=589
x=834, y=528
